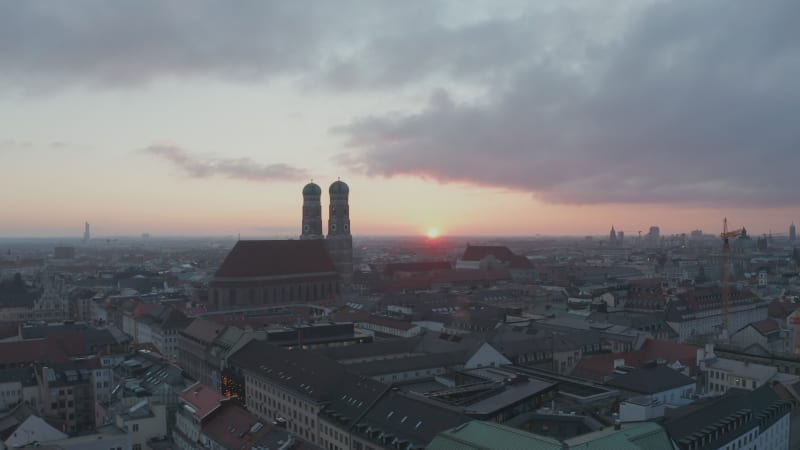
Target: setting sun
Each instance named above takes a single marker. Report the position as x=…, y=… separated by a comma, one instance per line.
x=433, y=233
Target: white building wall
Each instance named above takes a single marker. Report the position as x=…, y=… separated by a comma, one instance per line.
x=679, y=396
x=270, y=401
x=10, y=394
x=631, y=412
x=410, y=375
x=486, y=356
x=143, y=429
x=775, y=437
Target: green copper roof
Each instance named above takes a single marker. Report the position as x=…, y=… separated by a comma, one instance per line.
x=477, y=435
x=339, y=187
x=641, y=435
x=312, y=189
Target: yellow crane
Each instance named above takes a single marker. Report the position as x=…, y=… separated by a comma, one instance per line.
x=726, y=255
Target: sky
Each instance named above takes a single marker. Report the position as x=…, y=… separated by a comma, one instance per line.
x=475, y=117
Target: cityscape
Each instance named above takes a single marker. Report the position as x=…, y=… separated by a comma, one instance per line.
x=415, y=225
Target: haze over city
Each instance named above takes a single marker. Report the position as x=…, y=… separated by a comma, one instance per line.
x=476, y=118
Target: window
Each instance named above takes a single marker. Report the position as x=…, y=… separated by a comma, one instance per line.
x=136, y=447
x=135, y=427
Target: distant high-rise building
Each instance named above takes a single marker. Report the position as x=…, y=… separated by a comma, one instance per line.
x=792, y=232
x=86, y=233
x=613, y=235
x=697, y=234
x=620, y=237
x=655, y=233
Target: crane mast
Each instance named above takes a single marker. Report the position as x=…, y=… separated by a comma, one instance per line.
x=726, y=288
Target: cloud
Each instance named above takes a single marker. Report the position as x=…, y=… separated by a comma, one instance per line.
x=576, y=102
x=15, y=144
x=97, y=43
x=690, y=102
x=235, y=168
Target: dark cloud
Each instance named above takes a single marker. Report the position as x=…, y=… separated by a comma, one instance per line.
x=690, y=103
x=240, y=168
x=52, y=44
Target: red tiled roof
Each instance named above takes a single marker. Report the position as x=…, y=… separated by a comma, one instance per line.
x=466, y=276
x=275, y=258
x=711, y=298
x=780, y=309
x=597, y=367
x=232, y=427
x=521, y=262
x=20, y=353
x=202, y=398
x=478, y=252
x=408, y=284
x=766, y=326
x=142, y=309
x=427, y=266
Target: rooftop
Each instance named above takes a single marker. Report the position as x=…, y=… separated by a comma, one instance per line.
x=651, y=379
x=201, y=399
x=478, y=435
x=742, y=368
x=269, y=258
x=232, y=426
x=733, y=413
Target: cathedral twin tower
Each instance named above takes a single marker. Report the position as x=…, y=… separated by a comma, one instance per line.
x=339, y=241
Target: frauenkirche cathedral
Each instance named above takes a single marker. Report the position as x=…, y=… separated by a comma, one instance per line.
x=316, y=268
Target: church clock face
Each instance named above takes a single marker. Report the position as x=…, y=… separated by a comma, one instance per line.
x=333, y=227
x=346, y=227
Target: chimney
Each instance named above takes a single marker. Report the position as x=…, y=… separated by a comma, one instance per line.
x=615, y=419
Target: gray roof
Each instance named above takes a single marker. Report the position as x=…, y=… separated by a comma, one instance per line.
x=408, y=418
x=759, y=408
x=370, y=350
x=309, y=373
x=412, y=362
x=25, y=375
x=651, y=380
x=742, y=368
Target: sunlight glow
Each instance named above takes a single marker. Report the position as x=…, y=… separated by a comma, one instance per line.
x=433, y=233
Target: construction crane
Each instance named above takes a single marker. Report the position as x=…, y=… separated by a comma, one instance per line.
x=726, y=288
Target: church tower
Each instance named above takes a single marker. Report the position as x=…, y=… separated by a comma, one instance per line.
x=339, y=241
x=312, y=212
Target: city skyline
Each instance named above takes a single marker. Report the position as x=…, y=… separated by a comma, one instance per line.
x=548, y=119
